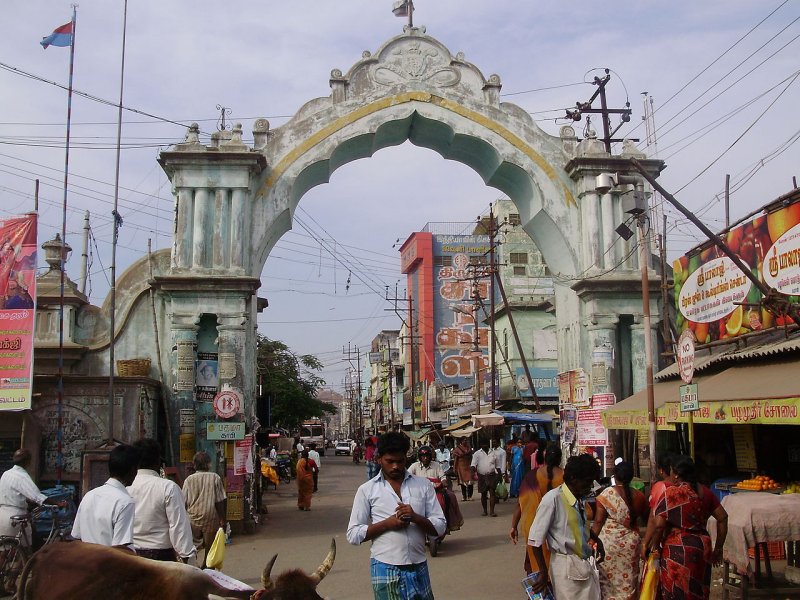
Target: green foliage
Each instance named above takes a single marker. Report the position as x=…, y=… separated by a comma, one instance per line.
x=291, y=383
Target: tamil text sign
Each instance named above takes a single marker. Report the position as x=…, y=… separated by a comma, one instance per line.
x=716, y=299
x=17, y=310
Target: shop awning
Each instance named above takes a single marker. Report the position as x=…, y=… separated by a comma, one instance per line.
x=525, y=417
x=631, y=413
x=457, y=425
x=466, y=431
x=489, y=420
x=418, y=434
x=762, y=393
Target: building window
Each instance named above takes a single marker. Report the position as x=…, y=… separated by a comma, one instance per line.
x=519, y=258
x=513, y=219
x=519, y=270
x=505, y=343
x=442, y=261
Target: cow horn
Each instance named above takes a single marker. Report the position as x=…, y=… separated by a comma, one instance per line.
x=326, y=565
x=265, y=580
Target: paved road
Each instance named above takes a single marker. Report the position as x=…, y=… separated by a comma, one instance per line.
x=476, y=562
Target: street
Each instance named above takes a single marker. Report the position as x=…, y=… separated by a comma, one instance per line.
x=476, y=562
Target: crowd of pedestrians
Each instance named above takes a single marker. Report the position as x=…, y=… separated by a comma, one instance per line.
x=137, y=509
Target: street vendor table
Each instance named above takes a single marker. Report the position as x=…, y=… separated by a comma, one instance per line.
x=755, y=518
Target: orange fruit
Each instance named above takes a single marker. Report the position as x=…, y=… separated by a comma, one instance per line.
x=781, y=221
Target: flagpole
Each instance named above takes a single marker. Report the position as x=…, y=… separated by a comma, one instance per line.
x=60, y=384
x=117, y=223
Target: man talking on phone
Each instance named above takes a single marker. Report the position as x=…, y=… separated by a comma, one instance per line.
x=395, y=510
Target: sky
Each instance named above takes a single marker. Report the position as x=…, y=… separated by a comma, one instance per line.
x=722, y=77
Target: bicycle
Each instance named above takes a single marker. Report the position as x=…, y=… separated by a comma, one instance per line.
x=14, y=553
x=16, y=550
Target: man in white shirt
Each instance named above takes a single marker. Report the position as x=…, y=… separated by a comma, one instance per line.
x=484, y=464
x=396, y=510
x=314, y=455
x=501, y=457
x=16, y=490
x=443, y=457
x=161, y=526
x=561, y=522
x=105, y=515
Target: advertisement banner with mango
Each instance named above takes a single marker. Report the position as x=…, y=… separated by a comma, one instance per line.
x=716, y=300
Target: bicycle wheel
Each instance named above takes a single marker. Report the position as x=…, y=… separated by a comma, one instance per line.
x=13, y=557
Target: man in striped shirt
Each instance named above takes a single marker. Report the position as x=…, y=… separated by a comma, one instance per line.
x=205, y=503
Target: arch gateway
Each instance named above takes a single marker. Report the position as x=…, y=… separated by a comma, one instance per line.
x=234, y=201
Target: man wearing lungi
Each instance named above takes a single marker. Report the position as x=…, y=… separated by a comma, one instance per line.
x=395, y=510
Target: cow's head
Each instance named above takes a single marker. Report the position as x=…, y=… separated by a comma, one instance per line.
x=294, y=584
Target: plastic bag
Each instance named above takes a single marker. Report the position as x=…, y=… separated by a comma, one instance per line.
x=216, y=554
x=648, y=586
x=501, y=491
x=269, y=473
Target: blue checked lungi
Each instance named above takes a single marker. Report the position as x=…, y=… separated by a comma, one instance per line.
x=372, y=469
x=400, y=582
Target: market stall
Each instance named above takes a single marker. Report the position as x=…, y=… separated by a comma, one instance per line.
x=756, y=519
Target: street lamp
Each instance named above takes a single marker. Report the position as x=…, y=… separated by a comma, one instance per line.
x=604, y=183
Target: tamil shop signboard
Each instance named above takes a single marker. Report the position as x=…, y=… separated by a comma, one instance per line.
x=716, y=300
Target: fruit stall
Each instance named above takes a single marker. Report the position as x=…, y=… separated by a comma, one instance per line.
x=760, y=525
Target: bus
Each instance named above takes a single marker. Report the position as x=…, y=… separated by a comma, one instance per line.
x=313, y=431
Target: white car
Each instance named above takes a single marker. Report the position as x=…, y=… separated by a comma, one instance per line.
x=342, y=448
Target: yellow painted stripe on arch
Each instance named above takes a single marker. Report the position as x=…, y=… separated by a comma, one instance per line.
x=404, y=98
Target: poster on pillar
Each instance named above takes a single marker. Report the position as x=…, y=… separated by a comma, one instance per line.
x=590, y=429
x=243, y=456
x=206, y=376
x=17, y=312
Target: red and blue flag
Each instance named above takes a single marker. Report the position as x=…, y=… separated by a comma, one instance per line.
x=61, y=36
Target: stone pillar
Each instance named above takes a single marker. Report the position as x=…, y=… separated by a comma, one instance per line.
x=183, y=330
x=182, y=250
x=201, y=227
x=592, y=230
x=238, y=230
x=221, y=223
x=602, y=330
x=613, y=254
x=232, y=331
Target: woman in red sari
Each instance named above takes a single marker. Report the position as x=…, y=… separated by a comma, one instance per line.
x=681, y=515
x=305, y=481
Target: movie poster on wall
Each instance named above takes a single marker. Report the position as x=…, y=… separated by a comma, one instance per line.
x=17, y=309
x=716, y=299
x=206, y=376
x=455, y=284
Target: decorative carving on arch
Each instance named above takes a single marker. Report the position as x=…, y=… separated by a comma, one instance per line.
x=416, y=62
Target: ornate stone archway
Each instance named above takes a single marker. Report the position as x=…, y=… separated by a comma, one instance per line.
x=233, y=201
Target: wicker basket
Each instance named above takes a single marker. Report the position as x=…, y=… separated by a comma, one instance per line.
x=133, y=367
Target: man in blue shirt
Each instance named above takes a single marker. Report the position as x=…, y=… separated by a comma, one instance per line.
x=396, y=510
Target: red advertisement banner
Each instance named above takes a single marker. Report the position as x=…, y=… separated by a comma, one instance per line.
x=715, y=299
x=17, y=310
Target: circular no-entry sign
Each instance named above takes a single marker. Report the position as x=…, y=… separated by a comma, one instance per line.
x=686, y=356
x=227, y=403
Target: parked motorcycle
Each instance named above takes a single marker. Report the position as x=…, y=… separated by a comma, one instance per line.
x=283, y=466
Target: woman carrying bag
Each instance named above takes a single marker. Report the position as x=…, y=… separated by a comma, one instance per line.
x=616, y=522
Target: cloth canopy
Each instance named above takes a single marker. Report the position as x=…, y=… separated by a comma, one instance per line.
x=525, y=417
x=465, y=432
x=457, y=425
x=489, y=420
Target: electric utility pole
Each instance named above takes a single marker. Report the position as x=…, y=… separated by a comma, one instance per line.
x=582, y=108
x=349, y=353
x=412, y=337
